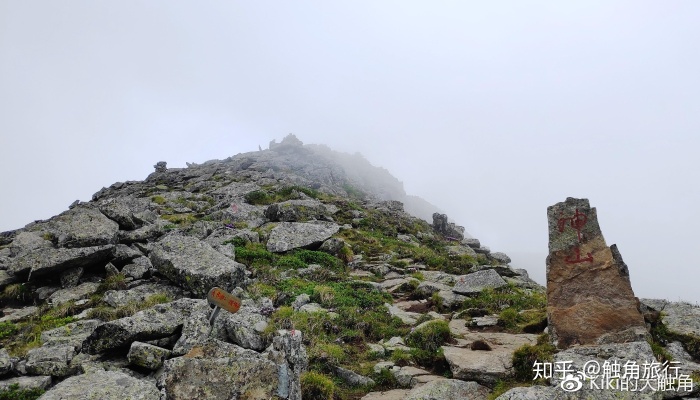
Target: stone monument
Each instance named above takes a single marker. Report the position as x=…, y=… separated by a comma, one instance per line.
x=589, y=295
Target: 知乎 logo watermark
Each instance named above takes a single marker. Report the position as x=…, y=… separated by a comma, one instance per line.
x=612, y=375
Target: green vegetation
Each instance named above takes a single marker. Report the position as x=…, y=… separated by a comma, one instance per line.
x=426, y=342
x=510, y=296
x=255, y=255
x=20, y=337
x=15, y=292
x=15, y=393
x=107, y=313
x=113, y=282
x=316, y=386
x=7, y=329
x=264, y=197
x=159, y=200
x=524, y=358
x=181, y=220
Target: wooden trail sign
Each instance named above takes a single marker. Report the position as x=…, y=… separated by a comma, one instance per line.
x=221, y=299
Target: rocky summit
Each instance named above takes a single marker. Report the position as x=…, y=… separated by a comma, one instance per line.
x=343, y=287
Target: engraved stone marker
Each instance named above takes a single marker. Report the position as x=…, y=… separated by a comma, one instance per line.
x=589, y=295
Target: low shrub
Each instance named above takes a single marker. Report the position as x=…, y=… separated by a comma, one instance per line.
x=316, y=386
x=524, y=358
x=15, y=393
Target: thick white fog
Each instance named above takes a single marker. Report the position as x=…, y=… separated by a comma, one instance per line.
x=490, y=110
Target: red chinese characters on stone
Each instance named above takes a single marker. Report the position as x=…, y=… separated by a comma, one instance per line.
x=577, y=222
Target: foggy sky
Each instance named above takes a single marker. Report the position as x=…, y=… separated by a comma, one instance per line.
x=490, y=110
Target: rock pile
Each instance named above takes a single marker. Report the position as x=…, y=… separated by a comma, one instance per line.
x=343, y=295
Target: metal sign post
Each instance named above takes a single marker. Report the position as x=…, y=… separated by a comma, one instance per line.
x=221, y=299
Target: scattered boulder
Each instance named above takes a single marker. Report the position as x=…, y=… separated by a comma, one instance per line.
x=447, y=229
x=475, y=282
x=50, y=360
x=159, y=321
x=43, y=261
x=679, y=317
x=5, y=362
x=72, y=334
x=71, y=277
x=82, y=227
x=195, y=265
x=332, y=245
x=408, y=376
x=103, y=385
x=449, y=389
x=218, y=370
x=147, y=356
x=245, y=328
x=26, y=383
x=125, y=211
x=297, y=211
x=138, y=268
x=293, y=235
x=460, y=250
x=81, y=291
x=111, y=270
x=161, y=166
x=118, y=298
x=501, y=258
x=484, y=367
x=352, y=378
x=589, y=294
x=12, y=315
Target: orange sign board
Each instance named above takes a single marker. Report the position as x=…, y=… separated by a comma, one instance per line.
x=222, y=299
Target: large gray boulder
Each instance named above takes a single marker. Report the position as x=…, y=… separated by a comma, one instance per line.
x=679, y=317
x=293, y=235
x=449, y=389
x=195, y=265
x=26, y=382
x=5, y=362
x=118, y=298
x=82, y=227
x=137, y=268
x=245, y=328
x=50, y=360
x=43, y=261
x=147, y=356
x=219, y=370
x=122, y=210
x=195, y=330
x=72, y=334
x=74, y=293
x=103, y=385
x=485, y=367
x=297, y=211
x=157, y=322
x=478, y=281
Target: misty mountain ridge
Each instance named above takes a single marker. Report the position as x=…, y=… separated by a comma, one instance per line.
x=340, y=286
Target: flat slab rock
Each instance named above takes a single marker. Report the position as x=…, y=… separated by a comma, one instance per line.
x=485, y=367
x=683, y=318
x=219, y=370
x=157, y=322
x=26, y=382
x=476, y=282
x=48, y=260
x=103, y=385
x=195, y=265
x=117, y=298
x=293, y=235
x=449, y=389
